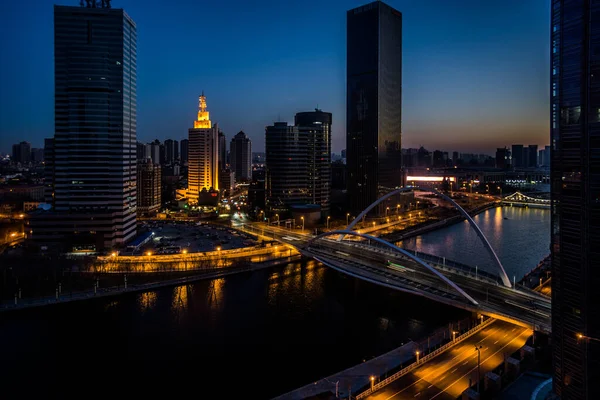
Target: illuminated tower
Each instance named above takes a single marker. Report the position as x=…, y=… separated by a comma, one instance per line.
x=203, y=154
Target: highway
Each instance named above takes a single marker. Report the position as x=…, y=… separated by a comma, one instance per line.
x=359, y=259
x=447, y=375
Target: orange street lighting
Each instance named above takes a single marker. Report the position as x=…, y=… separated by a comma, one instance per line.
x=13, y=234
x=149, y=253
x=184, y=251
x=218, y=248
x=372, y=382
x=417, y=353
x=114, y=254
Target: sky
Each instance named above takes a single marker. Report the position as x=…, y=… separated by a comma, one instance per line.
x=475, y=73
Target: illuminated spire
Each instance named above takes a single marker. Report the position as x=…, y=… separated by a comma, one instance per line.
x=203, y=115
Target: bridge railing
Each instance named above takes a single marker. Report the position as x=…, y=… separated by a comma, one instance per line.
x=424, y=359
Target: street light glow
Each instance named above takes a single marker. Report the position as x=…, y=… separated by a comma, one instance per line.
x=149, y=253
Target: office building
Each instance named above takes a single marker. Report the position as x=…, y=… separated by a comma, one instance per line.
x=21, y=153
x=183, y=154
x=373, y=102
x=154, y=151
x=222, y=151
x=95, y=128
x=298, y=162
x=37, y=155
x=49, y=171
x=148, y=187
x=241, y=157
x=546, y=160
x=533, y=156
x=575, y=186
x=227, y=182
x=203, y=162
x=140, y=151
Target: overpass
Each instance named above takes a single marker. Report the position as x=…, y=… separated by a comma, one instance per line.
x=375, y=260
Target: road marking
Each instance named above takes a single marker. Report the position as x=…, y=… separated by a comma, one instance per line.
x=418, y=394
x=482, y=332
x=465, y=363
x=496, y=341
x=453, y=370
x=429, y=387
x=505, y=335
x=473, y=369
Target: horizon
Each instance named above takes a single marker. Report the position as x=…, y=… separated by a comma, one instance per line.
x=475, y=78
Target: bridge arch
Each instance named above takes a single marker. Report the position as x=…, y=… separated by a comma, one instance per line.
x=486, y=243
x=399, y=250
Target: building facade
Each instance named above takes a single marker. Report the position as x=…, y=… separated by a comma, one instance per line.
x=184, y=149
x=94, y=180
x=298, y=162
x=21, y=152
x=575, y=186
x=171, y=151
x=240, y=150
x=203, y=155
x=222, y=151
x=148, y=187
x=373, y=102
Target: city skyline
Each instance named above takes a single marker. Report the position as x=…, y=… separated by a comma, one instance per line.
x=463, y=92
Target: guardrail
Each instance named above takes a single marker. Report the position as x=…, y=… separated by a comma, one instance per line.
x=424, y=359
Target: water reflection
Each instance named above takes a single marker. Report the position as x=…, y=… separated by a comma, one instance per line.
x=147, y=301
x=520, y=237
x=180, y=298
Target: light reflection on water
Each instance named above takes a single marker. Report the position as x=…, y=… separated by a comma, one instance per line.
x=520, y=241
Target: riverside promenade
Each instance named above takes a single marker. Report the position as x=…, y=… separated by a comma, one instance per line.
x=97, y=292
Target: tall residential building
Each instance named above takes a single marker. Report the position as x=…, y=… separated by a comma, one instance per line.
x=575, y=186
x=373, y=102
x=148, y=187
x=298, y=162
x=140, y=151
x=222, y=151
x=21, y=152
x=533, y=156
x=241, y=156
x=546, y=160
x=154, y=151
x=95, y=127
x=175, y=150
x=183, y=154
x=203, y=163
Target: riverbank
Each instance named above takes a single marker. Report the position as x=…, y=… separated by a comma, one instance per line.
x=100, y=292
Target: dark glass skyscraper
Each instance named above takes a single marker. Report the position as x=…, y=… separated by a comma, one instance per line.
x=575, y=175
x=94, y=147
x=373, y=102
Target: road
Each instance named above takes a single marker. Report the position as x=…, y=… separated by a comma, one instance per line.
x=447, y=376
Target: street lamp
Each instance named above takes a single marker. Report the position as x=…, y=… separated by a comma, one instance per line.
x=328, y=218
x=453, y=336
x=302, y=218
x=149, y=253
x=372, y=382
x=386, y=211
x=582, y=336
x=347, y=216
x=417, y=356
x=277, y=215
x=478, y=348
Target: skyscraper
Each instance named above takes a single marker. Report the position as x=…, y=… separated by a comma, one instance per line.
x=203, y=163
x=298, y=162
x=533, y=156
x=241, y=156
x=373, y=102
x=575, y=186
x=517, y=156
x=170, y=151
x=95, y=126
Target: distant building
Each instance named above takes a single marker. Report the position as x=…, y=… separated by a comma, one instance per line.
x=533, y=156
x=148, y=187
x=241, y=157
x=222, y=151
x=95, y=129
x=140, y=151
x=298, y=168
x=546, y=160
x=503, y=158
x=517, y=156
x=258, y=157
x=227, y=182
x=338, y=175
x=37, y=155
x=373, y=102
x=21, y=153
x=171, y=151
x=155, y=153
x=184, y=145
x=203, y=162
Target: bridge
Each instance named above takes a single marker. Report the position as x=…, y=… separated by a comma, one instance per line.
x=519, y=199
x=375, y=260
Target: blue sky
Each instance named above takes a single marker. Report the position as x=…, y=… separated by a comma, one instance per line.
x=475, y=73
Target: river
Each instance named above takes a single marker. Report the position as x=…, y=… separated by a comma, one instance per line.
x=255, y=335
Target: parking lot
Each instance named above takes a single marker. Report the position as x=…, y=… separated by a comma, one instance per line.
x=191, y=237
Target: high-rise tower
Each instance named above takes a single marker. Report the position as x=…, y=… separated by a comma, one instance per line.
x=241, y=156
x=373, y=102
x=94, y=147
x=575, y=186
x=203, y=154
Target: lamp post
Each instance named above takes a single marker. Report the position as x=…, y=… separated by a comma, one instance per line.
x=328, y=218
x=277, y=215
x=347, y=216
x=478, y=348
x=386, y=211
x=454, y=336
x=372, y=382
x=417, y=353
x=302, y=218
